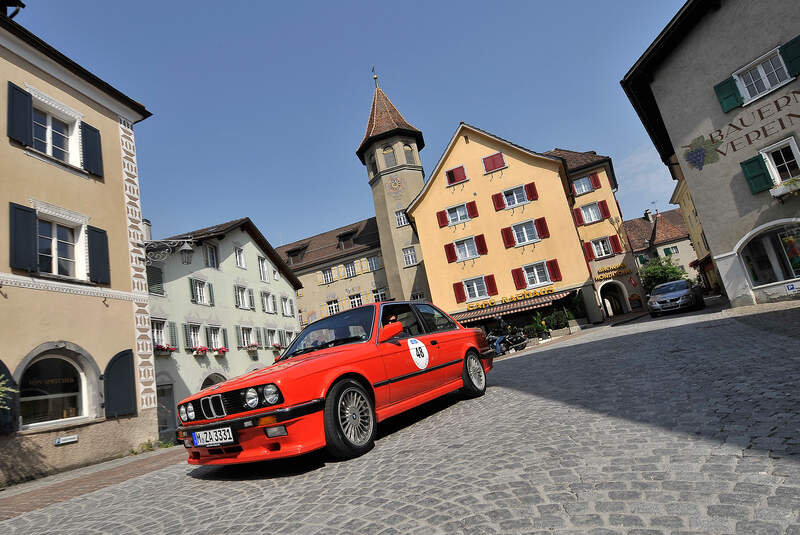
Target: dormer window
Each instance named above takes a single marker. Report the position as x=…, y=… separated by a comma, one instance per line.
x=409, y=152
x=346, y=239
x=388, y=156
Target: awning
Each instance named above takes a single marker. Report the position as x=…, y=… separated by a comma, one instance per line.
x=700, y=261
x=507, y=308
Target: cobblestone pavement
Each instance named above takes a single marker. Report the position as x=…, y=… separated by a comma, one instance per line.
x=683, y=424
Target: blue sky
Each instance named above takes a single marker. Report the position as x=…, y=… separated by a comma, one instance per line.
x=258, y=107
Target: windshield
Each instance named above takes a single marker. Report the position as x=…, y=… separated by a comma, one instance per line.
x=670, y=287
x=344, y=328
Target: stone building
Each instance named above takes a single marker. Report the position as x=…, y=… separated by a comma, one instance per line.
x=663, y=235
x=222, y=303
x=721, y=104
x=74, y=308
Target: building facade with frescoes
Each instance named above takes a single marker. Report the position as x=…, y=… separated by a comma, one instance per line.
x=731, y=131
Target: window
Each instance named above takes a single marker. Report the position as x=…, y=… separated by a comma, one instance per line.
x=495, y=162
x=591, y=213
x=50, y=389
x=155, y=280
x=582, y=185
x=200, y=292
x=466, y=249
x=263, y=271
x=373, y=262
x=602, y=247
x=475, y=288
x=271, y=337
x=669, y=251
x=50, y=135
x=409, y=152
x=536, y=274
x=456, y=175
x=194, y=335
x=56, y=248
x=643, y=259
x=355, y=300
x=327, y=275
x=388, y=157
x=409, y=256
x=373, y=169
x=402, y=312
x=525, y=233
x=268, y=302
x=761, y=76
x=242, y=295
x=275, y=274
x=379, y=294
x=773, y=255
x=401, y=218
x=247, y=336
x=333, y=307
x=457, y=214
x=350, y=269
x=213, y=337
x=417, y=296
x=288, y=306
x=239, y=253
x=782, y=160
x=515, y=196
x=157, y=327
x=211, y=256
x=346, y=240
x=434, y=319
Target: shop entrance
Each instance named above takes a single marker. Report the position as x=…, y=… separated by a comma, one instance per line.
x=612, y=294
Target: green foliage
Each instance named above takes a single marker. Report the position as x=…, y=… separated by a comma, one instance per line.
x=659, y=270
x=5, y=392
x=558, y=319
x=576, y=306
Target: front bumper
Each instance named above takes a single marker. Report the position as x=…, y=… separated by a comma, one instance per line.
x=304, y=432
x=670, y=307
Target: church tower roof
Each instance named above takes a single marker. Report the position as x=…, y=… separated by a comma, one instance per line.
x=385, y=121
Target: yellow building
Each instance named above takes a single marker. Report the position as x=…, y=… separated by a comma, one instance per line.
x=496, y=228
x=74, y=313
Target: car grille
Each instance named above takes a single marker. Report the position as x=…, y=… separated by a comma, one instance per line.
x=220, y=405
x=667, y=301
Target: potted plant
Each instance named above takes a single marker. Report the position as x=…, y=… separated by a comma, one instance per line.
x=164, y=350
x=277, y=347
x=220, y=351
x=251, y=347
x=199, y=351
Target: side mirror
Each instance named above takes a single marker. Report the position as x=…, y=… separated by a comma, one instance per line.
x=390, y=330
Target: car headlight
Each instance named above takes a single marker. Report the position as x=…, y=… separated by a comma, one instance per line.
x=251, y=398
x=271, y=394
x=182, y=411
x=190, y=411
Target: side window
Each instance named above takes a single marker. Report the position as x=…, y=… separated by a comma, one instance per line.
x=434, y=320
x=403, y=314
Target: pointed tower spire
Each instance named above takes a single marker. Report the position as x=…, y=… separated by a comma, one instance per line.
x=385, y=121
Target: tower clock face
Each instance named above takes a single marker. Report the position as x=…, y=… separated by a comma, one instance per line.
x=395, y=184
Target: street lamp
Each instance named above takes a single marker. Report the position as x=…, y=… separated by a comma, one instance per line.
x=186, y=253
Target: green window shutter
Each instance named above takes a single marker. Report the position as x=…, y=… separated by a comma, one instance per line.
x=236, y=297
x=210, y=293
x=208, y=337
x=187, y=336
x=756, y=174
x=667, y=251
x=173, y=334
x=728, y=94
x=225, y=338
x=239, y=337
x=258, y=337
x=251, y=299
x=193, y=290
x=790, y=52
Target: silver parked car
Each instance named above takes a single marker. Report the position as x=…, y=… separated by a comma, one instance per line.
x=675, y=295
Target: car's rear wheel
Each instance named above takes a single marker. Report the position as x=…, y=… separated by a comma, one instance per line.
x=473, y=375
x=349, y=420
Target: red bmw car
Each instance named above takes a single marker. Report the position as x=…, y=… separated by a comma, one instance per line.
x=338, y=379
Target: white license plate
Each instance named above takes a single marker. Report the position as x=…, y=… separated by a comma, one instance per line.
x=213, y=437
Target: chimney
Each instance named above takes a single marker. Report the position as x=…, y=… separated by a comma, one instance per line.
x=148, y=230
x=648, y=215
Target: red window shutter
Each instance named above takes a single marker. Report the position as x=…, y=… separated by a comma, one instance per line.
x=491, y=285
x=574, y=191
x=616, y=246
x=493, y=162
x=541, y=228
x=595, y=180
x=578, y=216
x=498, y=201
x=530, y=191
x=480, y=244
x=450, y=253
x=555, y=272
x=519, y=278
x=458, y=290
x=588, y=250
x=456, y=175
x=441, y=216
x=604, y=213
x=508, y=237
x=472, y=209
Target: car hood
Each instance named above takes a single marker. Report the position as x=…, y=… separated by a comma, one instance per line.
x=669, y=295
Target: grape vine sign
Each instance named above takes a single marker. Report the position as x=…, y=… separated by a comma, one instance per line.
x=752, y=126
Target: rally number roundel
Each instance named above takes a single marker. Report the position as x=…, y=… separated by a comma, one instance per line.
x=419, y=353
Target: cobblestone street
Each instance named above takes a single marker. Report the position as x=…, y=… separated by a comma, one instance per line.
x=686, y=423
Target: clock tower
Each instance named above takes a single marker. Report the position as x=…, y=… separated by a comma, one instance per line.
x=390, y=152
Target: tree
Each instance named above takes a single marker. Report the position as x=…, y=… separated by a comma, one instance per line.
x=659, y=270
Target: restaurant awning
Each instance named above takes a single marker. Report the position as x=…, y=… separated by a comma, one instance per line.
x=508, y=308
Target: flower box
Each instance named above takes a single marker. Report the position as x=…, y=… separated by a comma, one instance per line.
x=199, y=351
x=251, y=347
x=219, y=351
x=163, y=350
x=785, y=187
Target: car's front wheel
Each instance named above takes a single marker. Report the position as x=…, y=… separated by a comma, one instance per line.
x=349, y=420
x=473, y=375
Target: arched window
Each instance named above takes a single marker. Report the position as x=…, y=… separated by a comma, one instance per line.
x=388, y=156
x=409, y=151
x=373, y=169
x=212, y=379
x=773, y=255
x=51, y=389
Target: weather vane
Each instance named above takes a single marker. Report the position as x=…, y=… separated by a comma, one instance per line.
x=374, y=76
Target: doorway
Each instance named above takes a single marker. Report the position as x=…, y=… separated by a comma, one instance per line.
x=167, y=422
x=613, y=298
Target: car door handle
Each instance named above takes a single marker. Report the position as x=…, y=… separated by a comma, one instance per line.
x=434, y=342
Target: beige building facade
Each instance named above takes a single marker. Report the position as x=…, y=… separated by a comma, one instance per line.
x=74, y=312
